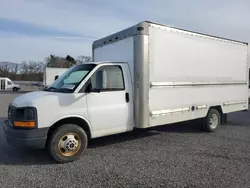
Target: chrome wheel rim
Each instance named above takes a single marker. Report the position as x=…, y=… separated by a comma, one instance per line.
x=213, y=121
x=69, y=144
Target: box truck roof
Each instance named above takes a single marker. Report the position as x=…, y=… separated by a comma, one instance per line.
x=142, y=28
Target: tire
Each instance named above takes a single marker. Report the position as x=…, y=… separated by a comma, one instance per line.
x=15, y=89
x=67, y=134
x=212, y=121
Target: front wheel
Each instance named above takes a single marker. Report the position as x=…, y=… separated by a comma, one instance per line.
x=15, y=89
x=67, y=143
x=212, y=121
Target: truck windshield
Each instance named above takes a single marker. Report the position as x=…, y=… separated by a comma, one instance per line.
x=70, y=79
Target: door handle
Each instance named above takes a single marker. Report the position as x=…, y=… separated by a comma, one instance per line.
x=127, y=97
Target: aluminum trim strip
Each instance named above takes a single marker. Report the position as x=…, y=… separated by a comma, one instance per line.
x=185, y=84
x=234, y=103
x=169, y=111
x=201, y=107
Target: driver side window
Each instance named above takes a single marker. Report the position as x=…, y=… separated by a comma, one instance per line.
x=108, y=78
x=9, y=83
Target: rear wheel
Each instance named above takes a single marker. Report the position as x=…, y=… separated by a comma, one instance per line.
x=67, y=143
x=212, y=121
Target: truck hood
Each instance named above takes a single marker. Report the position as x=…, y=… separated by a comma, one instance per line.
x=28, y=99
x=41, y=99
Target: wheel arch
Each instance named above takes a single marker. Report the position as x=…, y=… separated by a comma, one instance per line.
x=218, y=108
x=82, y=122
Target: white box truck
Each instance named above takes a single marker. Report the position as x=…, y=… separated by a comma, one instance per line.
x=144, y=76
x=52, y=73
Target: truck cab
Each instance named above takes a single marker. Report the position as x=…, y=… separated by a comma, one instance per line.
x=7, y=84
x=87, y=101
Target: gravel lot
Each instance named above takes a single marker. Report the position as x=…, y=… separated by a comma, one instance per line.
x=169, y=156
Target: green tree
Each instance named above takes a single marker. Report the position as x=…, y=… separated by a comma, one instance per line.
x=83, y=59
x=71, y=60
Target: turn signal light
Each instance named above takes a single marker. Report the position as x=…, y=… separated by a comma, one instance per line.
x=29, y=124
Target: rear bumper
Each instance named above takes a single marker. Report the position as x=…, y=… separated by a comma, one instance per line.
x=34, y=138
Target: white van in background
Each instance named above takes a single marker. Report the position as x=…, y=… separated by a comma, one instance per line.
x=7, y=84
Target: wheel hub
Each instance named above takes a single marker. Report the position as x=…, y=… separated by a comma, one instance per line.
x=213, y=121
x=69, y=144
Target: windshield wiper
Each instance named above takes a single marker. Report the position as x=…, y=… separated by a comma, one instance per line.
x=64, y=90
x=50, y=89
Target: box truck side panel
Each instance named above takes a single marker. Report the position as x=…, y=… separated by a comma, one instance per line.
x=131, y=46
x=190, y=72
x=120, y=51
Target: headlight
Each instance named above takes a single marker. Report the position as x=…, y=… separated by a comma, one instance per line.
x=29, y=114
x=25, y=117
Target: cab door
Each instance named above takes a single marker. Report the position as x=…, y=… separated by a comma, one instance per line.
x=110, y=100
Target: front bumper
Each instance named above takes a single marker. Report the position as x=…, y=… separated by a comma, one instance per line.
x=33, y=138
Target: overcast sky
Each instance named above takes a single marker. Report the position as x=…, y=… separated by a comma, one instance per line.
x=33, y=29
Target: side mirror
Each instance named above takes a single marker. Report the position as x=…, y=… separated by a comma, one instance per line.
x=56, y=77
x=88, y=88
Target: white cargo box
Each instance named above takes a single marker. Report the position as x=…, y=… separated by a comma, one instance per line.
x=178, y=75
